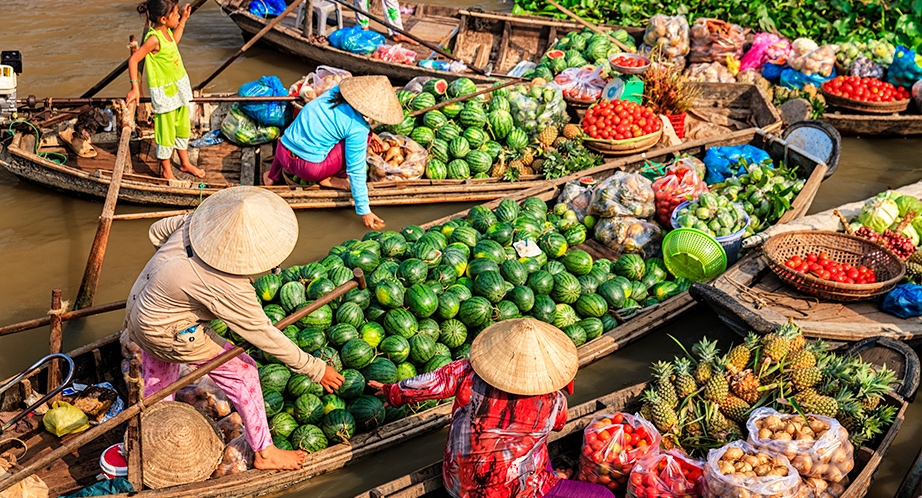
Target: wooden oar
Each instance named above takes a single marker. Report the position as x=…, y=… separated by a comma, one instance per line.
x=76, y=102
x=249, y=44
x=413, y=37
x=588, y=25
x=89, y=435
x=87, y=293
x=459, y=99
x=115, y=73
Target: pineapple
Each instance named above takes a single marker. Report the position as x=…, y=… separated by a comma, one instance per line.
x=646, y=411
x=706, y=351
x=851, y=414
x=560, y=141
x=802, y=358
x=536, y=166
x=738, y=357
x=571, y=131
x=716, y=388
x=812, y=402
x=528, y=158
x=735, y=408
x=803, y=378
x=915, y=258
x=791, y=332
x=547, y=136
x=662, y=373
x=528, y=171
x=664, y=417
x=745, y=385
x=516, y=164
x=873, y=385
x=715, y=420
x=775, y=347
x=684, y=382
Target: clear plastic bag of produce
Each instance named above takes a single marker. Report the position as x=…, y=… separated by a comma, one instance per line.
x=238, y=457
x=791, y=78
x=416, y=84
x=866, y=68
x=765, y=47
x=612, y=444
x=629, y=235
x=577, y=197
x=816, y=447
x=581, y=83
x=623, y=194
x=266, y=113
x=395, y=53
x=681, y=183
x=826, y=489
x=810, y=59
x=669, y=33
x=670, y=474
x=725, y=161
x=904, y=71
x=231, y=426
x=317, y=82
x=538, y=107
x=709, y=72
x=904, y=301
x=403, y=159
x=206, y=397
x=356, y=40
x=725, y=474
x=240, y=129
x=712, y=40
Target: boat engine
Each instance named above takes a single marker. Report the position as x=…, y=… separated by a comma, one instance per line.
x=10, y=66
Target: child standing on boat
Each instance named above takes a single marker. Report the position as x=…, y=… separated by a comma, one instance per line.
x=170, y=90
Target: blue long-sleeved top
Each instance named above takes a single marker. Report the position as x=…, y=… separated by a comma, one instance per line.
x=320, y=126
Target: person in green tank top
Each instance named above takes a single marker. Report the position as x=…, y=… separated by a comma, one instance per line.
x=170, y=90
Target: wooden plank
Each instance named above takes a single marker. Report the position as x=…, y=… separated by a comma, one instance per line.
x=503, y=46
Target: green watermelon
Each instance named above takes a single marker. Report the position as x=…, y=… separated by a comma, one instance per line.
x=461, y=86
x=330, y=262
x=566, y=288
x=330, y=356
x=507, y=211
x=498, y=104
x=395, y=348
x=489, y=249
x=319, y=288
x=593, y=327
x=438, y=150
x=478, y=161
x=350, y=313
x=458, y=169
x=291, y=295
x=576, y=235
x=436, y=362
x=500, y=124
x=381, y=370
x=448, y=132
x=399, y=321
x=453, y=333
x=475, y=312
x=452, y=110
x=436, y=170
x=267, y=286
x=391, y=414
x=281, y=443
x=514, y=272
x=459, y=147
x=613, y=293
x=405, y=370
x=664, y=290
x=523, y=298
x=357, y=353
x=578, y=262
x=405, y=97
x=273, y=400
x=505, y=310
x=564, y=315
x=541, y=282
x=456, y=261
x=412, y=271
x=463, y=351
x=494, y=149
x=353, y=385
x=587, y=284
x=428, y=252
x=274, y=377
x=342, y=275
x=389, y=293
x=300, y=384
x=608, y=322
x=591, y=305
x=489, y=284
x=393, y=245
x=422, y=348
x=332, y=402
x=472, y=117
x=422, y=101
x=341, y=333
x=436, y=87
x=308, y=438
x=339, y=425
x=517, y=139
x=462, y=291
x=576, y=334
x=630, y=266
x=544, y=309
x=465, y=235
x=282, y=424
x=406, y=126
x=368, y=411
x=423, y=135
x=553, y=244
x=476, y=138
x=638, y=291
x=501, y=233
x=308, y=409
x=421, y=301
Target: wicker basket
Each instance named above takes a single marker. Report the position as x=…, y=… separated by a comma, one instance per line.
x=866, y=107
x=841, y=248
x=623, y=147
x=578, y=103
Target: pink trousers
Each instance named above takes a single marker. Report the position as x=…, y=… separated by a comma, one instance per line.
x=569, y=488
x=239, y=380
x=333, y=165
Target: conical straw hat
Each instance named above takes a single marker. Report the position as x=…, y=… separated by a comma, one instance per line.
x=374, y=97
x=524, y=356
x=180, y=445
x=243, y=230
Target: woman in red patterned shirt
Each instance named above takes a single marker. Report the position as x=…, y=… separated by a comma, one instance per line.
x=507, y=399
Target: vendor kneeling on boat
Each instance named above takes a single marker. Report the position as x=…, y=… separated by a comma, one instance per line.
x=329, y=140
x=199, y=273
x=507, y=399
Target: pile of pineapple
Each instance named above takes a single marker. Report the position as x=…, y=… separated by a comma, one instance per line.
x=555, y=152
x=704, y=401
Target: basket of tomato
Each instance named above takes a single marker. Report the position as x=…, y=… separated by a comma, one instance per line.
x=629, y=63
x=869, y=95
x=612, y=444
x=620, y=127
x=671, y=474
x=833, y=265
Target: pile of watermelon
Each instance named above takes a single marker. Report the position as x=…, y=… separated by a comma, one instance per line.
x=579, y=49
x=430, y=292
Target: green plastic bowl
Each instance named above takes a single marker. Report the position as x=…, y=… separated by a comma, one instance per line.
x=693, y=254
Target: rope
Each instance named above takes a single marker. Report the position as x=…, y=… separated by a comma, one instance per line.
x=138, y=382
x=55, y=157
x=64, y=306
x=13, y=458
x=760, y=298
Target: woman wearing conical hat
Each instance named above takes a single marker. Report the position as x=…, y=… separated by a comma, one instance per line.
x=329, y=140
x=199, y=273
x=508, y=399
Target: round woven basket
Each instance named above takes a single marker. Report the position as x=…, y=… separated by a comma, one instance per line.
x=579, y=104
x=180, y=445
x=623, y=147
x=841, y=248
x=866, y=107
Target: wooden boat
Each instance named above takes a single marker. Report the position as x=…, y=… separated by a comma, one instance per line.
x=766, y=302
x=866, y=124
x=102, y=358
x=564, y=446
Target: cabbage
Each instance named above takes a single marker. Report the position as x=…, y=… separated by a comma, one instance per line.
x=908, y=203
x=909, y=232
x=879, y=213
x=917, y=224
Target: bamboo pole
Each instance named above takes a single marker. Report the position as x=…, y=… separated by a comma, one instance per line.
x=70, y=315
x=147, y=216
x=91, y=434
x=249, y=44
x=589, y=25
x=55, y=338
x=74, y=102
x=133, y=450
x=87, y=292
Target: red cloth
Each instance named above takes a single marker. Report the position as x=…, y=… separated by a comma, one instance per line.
x=497, y=443
x=333, y=165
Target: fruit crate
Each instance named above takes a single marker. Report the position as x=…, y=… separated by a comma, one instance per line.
x=840, y=247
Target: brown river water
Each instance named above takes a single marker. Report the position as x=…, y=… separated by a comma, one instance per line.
x=45, y=236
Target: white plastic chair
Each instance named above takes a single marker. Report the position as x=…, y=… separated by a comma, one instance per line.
x=322, y=11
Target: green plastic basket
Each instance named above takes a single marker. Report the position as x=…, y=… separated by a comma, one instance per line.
x=693, y=254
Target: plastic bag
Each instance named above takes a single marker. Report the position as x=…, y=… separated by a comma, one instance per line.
x=64, y=418
x=317, y=82
x=231, y=426
x=607, y=456
x=904, y=71
x=819, y=449
x=416, y=84
x=681, y=183
x=107, y=487
x=267, y=8
x=403, y=160
x=629, y=235
x=266, y=113
x=904, y=301
x=866, y=68
x=772, y=71
x=709, y=72
x=31, y=487
x=917, y=93
x=240, y=129
x=795, y=79
x=99, y=402
x=534, y=109
x=825, y=489
x=725, y=161
x=238, y=457
x=623, y=194
x=718, y=484
x=712, y=40
x=356, y=40
x=669, y=33
x=576, y=196
x=810, y=59
x=668, y=474
x=581, y=83
x=206, y=397
x=757, y=53
x=396, y=54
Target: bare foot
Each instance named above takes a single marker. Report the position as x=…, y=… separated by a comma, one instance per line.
x=335, y=183
x=268, y=181
x=166, y=169
x=273, y=458
x=192, y=170
x=404, y=39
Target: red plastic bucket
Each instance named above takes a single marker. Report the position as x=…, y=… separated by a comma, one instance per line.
x=678, y=122
x=113, y=462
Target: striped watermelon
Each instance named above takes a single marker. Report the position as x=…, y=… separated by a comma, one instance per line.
x=478, y=161
x=291, y=295
x=576, y=334
x=507, y=210
x=338, y=425
x=436, y=87
x=490, y=249
x=566, y=288
x=514, y=272
x=588, y=283
x=404, y=127
x=353, y=385
x=444, y=275
x=422, y=348
x=438, y=150
x=448, y=132
x=423, y=135
x=517, y=139
x=475, y=137
x=308, y=409
x=421, y=301
x=308, y=438
x=453, y=333
x=395, y=348
x=461, y=86
x=472, y=117
x=267, y=286
x=501, y=232
x=523, y=298
x=591, y=305
x=281, y=443
x=434, y=120
x=389, y=293
x=463, y=351
x=330, y=356
x=381, y=370
x=452, y=110
x=475, y=312
x=342, y=275
x=593, y=327
x=405, y=370
x=300, y=384
x=436, y=362
x=273, y=401
x=564, y=315
x=372, y=333
x=399, y=321
x=282, y=424
x=436, y=170
x=405, y=97
x=359, y=258
x=465, y=235
x=498, y=103
x=350, y=313
x=357, y=354
x=291, y=274
x=430, y=327
x=341, y=333
x=320, y=287
x=422, y=101
x=412, y=271
x=492, y=148
x=462, y=291
x=368, y=411
x=332, y=402
x=449, y=304
x=442, y=350
x=500, y=124
x=578, y=262
x=489, y=284
x=274, y=377
x=576, y=235
x=506, y=310
x=331, y=261
x=459, y=147
x=458, y=169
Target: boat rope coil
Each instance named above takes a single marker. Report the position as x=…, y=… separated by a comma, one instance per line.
x=62, y=310
x=138, y=383
x=759, y=298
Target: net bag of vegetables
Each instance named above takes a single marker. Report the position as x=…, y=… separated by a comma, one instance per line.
x=402, y=159
x=670, y=474
x=612, y=444
x=737, y=469
x=623, y=194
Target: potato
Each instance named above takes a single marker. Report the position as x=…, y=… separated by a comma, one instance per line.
x=778, y=471
x=783, y=436
x=762, y=470
x=765, y=433
x=790, y=428
x=732, y=454
x=820, y=469
x=834, y=474
x=739, y=492
x=818, y=425
x=817, y=484
x=725, y=467
x=803, y=463
x=752, y=460
x=772, y=421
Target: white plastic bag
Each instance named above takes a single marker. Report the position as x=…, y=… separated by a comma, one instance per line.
x=410, y=164
x=722, y=480
x=238, y=457
x=581, y=83
x=810, y=59
x=623, y=194
x=669, y=33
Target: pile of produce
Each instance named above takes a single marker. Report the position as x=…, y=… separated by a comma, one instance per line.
x=579, y=49
x=620, y=120
x=713, y=215
x=401, y=159
x=612, y=445
x=820, y=266
x=879, y=53
x=891, y=220
x=670, y=473
x=764, y=192
x=741, y=470
x=865, y=89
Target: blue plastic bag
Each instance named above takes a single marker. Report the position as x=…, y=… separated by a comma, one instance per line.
x=904, y=301
x=725, y=161
x=267, y=8
x=792, y=78
x=904, y=71
x=772, y=72
x=266, y=113
x=356, y=40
